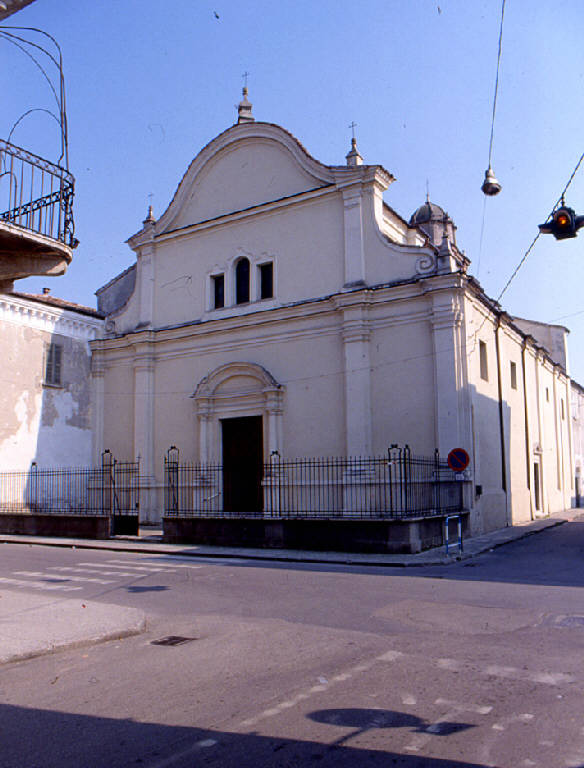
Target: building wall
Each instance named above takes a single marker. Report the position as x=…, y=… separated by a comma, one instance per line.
x=372, y=336
x=51, y=425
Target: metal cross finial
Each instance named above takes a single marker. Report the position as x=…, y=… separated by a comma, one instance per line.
x=245, y=76
x=150, y=196
x=352, y=126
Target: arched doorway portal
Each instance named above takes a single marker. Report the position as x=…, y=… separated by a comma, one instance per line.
x=239, y=410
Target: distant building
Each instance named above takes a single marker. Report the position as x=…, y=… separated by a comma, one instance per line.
x=280, y=305
x=45, y=398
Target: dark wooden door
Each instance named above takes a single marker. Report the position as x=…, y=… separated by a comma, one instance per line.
x=242, y=464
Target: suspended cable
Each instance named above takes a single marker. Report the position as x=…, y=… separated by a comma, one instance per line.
x=560, y=199
x=496, y=81
x=491, y=185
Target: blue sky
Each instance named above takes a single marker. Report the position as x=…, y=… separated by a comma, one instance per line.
x=150, y=83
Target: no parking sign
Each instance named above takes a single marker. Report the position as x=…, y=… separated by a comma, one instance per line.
x=458, y=459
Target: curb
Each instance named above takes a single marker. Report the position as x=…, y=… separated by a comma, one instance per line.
x=506, y=535
x=67, y=645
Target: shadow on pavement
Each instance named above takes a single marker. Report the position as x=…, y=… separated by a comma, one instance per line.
x=45, y=739
x=552, y=557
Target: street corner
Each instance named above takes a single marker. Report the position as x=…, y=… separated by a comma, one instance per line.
x=31, y=625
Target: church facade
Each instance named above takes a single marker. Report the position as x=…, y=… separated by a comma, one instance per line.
x=281, y=306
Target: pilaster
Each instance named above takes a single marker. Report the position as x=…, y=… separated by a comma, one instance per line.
x=451, y=417
x=144, y=363
x=355, y=333
x=98, y=387
x=354, y=250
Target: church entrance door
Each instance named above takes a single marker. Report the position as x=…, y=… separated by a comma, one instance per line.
x=242, y=464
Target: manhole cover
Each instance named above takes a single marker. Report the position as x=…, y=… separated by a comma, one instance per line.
x=172, y=640
x=571, y=621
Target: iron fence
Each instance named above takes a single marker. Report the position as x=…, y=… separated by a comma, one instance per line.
x=36, y=194
x=111, y=489
x=396, y=486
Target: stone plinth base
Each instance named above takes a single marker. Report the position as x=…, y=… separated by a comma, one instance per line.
x=329, y=535
x=71, y=526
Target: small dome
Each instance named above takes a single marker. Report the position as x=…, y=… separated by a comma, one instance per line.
x=427, y=212
x=434, y=222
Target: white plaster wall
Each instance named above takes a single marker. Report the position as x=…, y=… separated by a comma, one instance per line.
x=49, y=425
x=250, y=172
x=491, y=510
x=402, y=379
x=304, y=356
x=118, y=413
x=304, y=242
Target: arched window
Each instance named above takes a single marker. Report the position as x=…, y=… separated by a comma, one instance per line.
x=242, y=281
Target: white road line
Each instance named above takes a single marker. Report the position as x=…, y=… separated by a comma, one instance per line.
x=390, y=656
x=512, y=673
x=155, y=564
x=71, y=569
x=466, y=707
x=420, y=740
x=180, y=756
x=37, y=585
x=451, y=664
x=134, y=568
x=62, y=579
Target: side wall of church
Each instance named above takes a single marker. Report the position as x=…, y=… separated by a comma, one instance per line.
x=522, y=434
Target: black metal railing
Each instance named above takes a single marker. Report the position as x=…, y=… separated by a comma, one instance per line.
x=36, y=194
x=396, y=486
x=110, y=489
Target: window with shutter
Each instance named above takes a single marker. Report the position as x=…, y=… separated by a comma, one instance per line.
x=54, y=365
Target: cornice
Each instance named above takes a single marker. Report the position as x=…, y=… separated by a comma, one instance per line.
x=233, y=217
x=42, y=317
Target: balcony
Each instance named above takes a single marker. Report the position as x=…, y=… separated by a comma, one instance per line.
x=36, y=195
x=36, y=215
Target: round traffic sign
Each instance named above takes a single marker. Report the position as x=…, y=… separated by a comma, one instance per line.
x=458, y=459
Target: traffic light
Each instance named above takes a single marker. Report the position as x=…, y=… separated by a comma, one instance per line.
x=563, y=223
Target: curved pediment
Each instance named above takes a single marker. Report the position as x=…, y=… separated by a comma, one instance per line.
x=247, y=165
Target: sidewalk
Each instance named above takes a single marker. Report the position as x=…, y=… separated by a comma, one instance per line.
x=150, y=541
x=33, y=624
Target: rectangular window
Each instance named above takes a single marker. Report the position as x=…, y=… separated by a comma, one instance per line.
x=266, y=281
x=218, y=282
x=513, y=376
x=53, y=364
x=483, y=361
x=547, y=394
x=563, y=412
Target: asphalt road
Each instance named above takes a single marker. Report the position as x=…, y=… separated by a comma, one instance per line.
x=473, y=664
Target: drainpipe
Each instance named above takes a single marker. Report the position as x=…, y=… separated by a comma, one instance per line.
x=502, y=421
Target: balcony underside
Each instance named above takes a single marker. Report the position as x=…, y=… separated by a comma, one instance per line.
x=24, y=252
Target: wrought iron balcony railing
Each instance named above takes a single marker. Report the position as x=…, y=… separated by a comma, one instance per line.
x=36, y=194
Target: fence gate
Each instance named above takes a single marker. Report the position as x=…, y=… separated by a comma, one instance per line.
x=121, y=494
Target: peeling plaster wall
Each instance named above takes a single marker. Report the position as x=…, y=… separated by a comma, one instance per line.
x=47, y=424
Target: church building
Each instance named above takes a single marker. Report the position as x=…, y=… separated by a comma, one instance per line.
x=280, y=307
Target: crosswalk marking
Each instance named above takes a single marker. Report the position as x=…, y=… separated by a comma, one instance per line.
x=37, y=584
x=156, y=564
x=72, y=569
x=62, y=579
x=134, y=568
